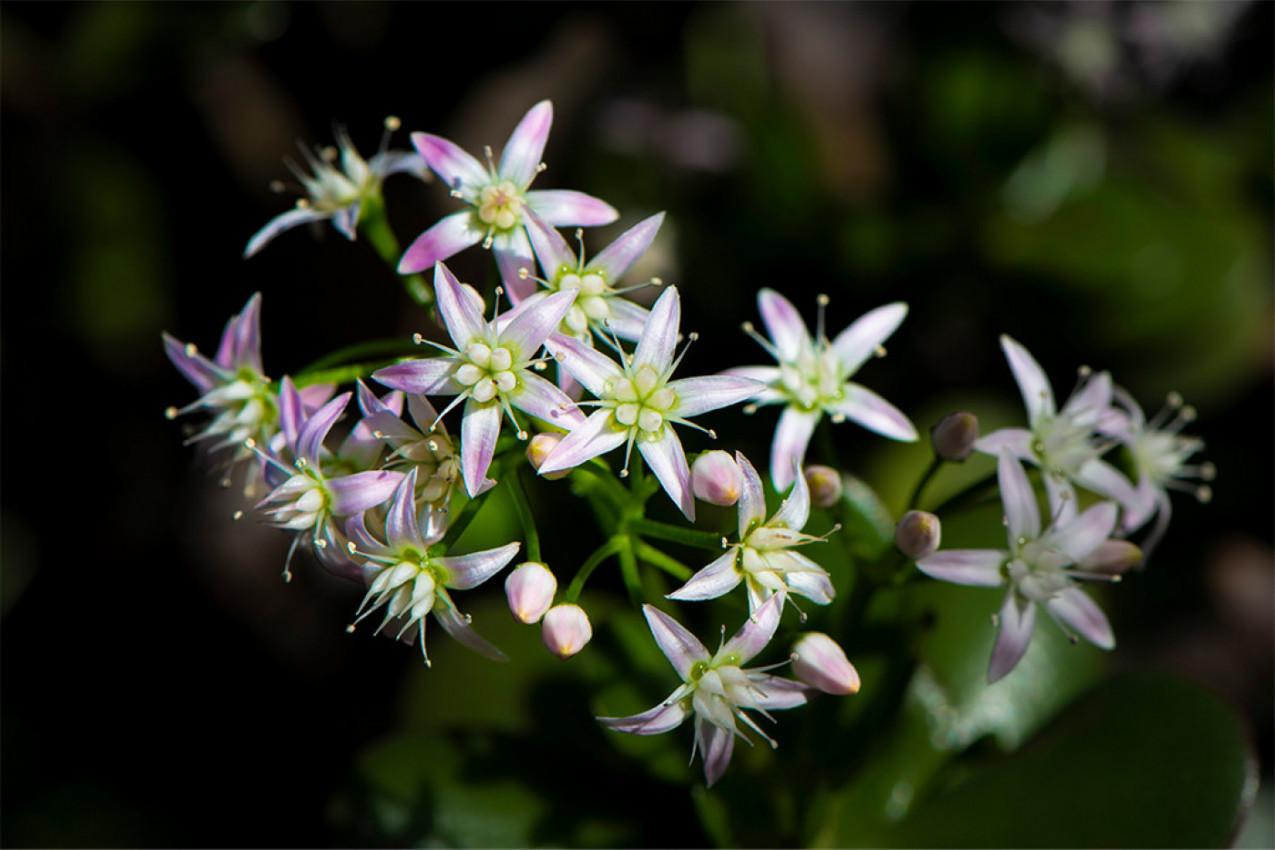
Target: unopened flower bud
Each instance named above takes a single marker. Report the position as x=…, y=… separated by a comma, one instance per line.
x=825, y=485
x=540, y=447
x=530, y=589
x=1111, y=558
x=565, y=630
x=818, y=661
x=954, y=436
x=917, y=534
x=715, y=478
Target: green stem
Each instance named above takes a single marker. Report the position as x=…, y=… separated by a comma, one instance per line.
x=376, y=347
x=341, y=374
x=972, y=495
x=525, y=517
x=629, y=570
x=925, y=479
x=675, y=534
x=615, y=492
x=660, y=560
x=606, y=550
x=376, y=228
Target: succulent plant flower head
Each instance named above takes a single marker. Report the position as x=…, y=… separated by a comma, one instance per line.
x=813, y=378
x=638, y=402
x=234, y=389
x=340, y=186
x=308, y=500
x=409, y=583
x=764, y=559
x=716, y=690
x=491, y=370
x=498, y=196
x=1159, y=452
x=1066, y=444
x=1043, y=566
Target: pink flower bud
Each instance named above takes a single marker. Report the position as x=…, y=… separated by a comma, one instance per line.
x=715, y=478
x=530, y=590
x=819, y=662
x=1111, y=558
x=954, y=436
x=540, y=447
x=825, y=485
x=917, y=534
x=565, y=630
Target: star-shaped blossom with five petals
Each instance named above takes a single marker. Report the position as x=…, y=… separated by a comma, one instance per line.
x=1042, y=566
x=490, y=370
x=638, y=403
x=715, y=688
x=410, y=583
x=341, y=194
x=497, y=197
x=763, y=558
x=813, y=378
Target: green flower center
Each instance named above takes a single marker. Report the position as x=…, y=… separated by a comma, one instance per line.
x=487, y=371
x=640, y=400
x=500, y=205
x=814, y=379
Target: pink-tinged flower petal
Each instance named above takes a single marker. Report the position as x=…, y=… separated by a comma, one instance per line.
x=710, y=392
x=792, y=436
x=450, y=235
x=974, y=567
x=311, y=435
x=521, y=156
x=627, y=320
x=659, y=339
x=466, y=571
x=530, y=588
x=1075, y=608
x=361, y=491
x=755, y=634
x=402, y=530
x=1038, y=397
x=766, y=375
x=1088, y=405
x=241, y=341
x=817, y=587
x=874, y=413
x=478, y=432
x=512, y=250
x=397, y=162
x=1060, y=495
x=620, y=256
x=463, y=633
x=546, y=402
x=550, y=248
x=460, y=315
x=795, y=510
x=567, y=208
x=717, y=579
x=716, y=746
x=1016, y=441
x=1017, y=619
x=565, y=629
x=346, y=220
x=776, y=692
x=667, y=459
x=315, y=396
x=196, y=368
x=786, y=327
x=1105, y=480
x=291, y=412
x=716, y=479
x=284, y=221
x=662, y=718
x=1086, y=532
x=861, y=339
x=1022, y=514
x=586, y=364
x=458, y=169
x=591, y=438
x=531, y=328
x=364, y=542
x=680, y=647
x=752, y=497
x=432, y=376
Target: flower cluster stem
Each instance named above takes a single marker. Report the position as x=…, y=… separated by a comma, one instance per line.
x=376, y=228
x=519, y=498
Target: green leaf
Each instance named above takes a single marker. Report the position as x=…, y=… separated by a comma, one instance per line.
x=868, y=524
x=1144, y=761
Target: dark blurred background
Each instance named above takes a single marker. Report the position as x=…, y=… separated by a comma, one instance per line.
x=1094, y=179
